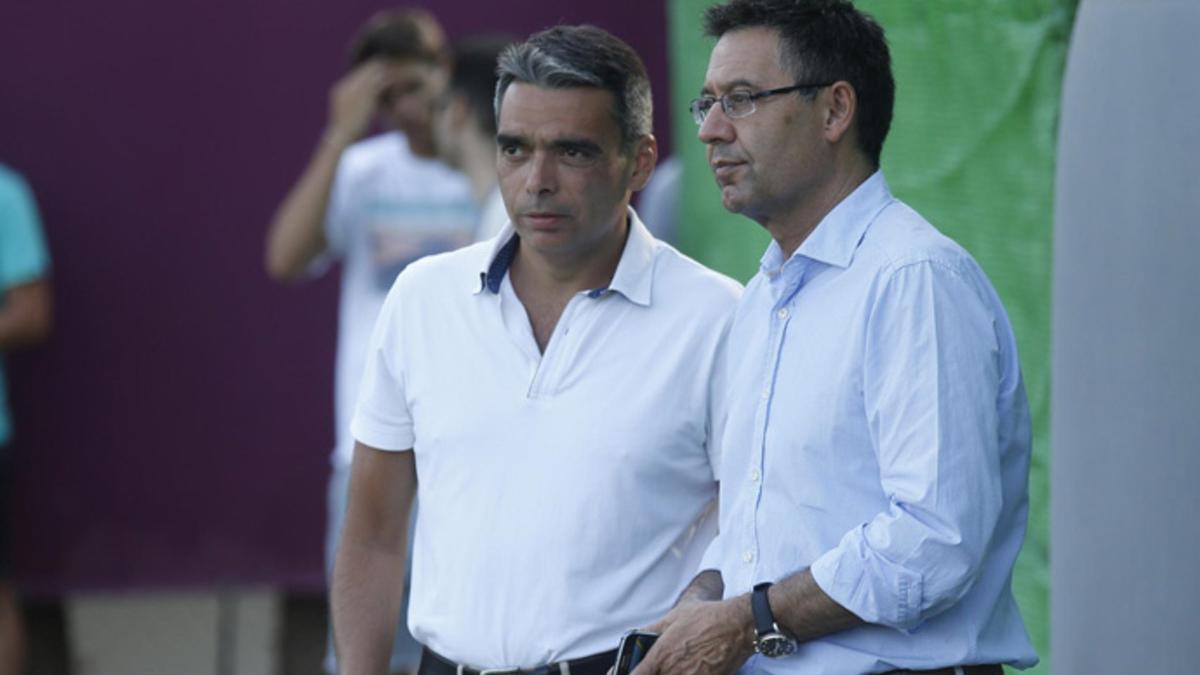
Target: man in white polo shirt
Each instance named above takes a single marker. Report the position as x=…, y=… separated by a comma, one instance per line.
x=552, y=389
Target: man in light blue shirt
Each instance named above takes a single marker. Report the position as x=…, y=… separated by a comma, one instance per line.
x=25, y=311
x=875, y=458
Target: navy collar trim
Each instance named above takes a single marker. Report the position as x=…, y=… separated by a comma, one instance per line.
x=490, y=280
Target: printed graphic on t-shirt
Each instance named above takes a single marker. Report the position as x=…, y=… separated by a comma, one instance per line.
x=403, y=231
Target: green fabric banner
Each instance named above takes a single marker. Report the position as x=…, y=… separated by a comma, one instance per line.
x=972, y=148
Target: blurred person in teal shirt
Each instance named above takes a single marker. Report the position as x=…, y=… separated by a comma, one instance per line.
x=25, y=318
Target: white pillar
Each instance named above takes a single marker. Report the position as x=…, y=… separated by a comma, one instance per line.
x=1125, y=477
x=188, y=633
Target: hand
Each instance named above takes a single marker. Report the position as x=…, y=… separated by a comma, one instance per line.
x=701, y=638
x=354, y=99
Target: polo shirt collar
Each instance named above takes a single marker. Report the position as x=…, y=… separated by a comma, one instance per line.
x=633, y=277
x=635, y=271
x=501, y=254
x=835, y=239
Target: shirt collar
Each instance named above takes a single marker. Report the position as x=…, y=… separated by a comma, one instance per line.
x=835, y=239
x=633, y=277
x=503, y=251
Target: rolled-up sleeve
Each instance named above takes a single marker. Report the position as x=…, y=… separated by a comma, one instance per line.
x=930, y=384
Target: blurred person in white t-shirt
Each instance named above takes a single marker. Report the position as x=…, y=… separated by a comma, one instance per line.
x=376, y=205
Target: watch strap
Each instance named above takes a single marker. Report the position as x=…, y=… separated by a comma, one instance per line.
x=764, y=620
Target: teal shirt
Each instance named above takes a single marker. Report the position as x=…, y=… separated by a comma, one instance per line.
x=23, y=256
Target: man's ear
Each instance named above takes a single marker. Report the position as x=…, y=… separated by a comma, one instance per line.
x=841, y=106
x=645, y=157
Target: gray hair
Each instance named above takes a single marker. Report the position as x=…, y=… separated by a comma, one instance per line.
x=565, y=57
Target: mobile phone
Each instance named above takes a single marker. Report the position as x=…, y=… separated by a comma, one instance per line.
x=632, y=650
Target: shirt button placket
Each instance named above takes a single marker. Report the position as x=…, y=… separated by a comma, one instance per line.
x=776, y=340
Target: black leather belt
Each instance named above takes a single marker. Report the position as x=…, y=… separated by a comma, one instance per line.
x=433, y=663
x=990, y=669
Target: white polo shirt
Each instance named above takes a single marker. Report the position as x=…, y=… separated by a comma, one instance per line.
x=564, y=497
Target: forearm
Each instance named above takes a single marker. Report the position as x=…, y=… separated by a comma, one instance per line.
x=368, y=587
x=799, y=605
x=297, y=232
x=26, y=315
x=805, y=611
x=707, y=585
x=368, y=575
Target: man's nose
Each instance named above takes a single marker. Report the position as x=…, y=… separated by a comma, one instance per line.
x=716, y=127
x=543, y=174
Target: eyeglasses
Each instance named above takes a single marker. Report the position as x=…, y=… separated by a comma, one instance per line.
x=741, y=103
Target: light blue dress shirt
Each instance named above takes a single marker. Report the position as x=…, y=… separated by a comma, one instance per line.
x=23, y=256
x=878, y=433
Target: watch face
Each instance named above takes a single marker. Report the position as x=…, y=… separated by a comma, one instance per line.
x=775, y=645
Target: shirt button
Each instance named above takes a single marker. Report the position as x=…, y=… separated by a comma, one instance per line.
x=755, y=475
x=766, y=393
x=748, y=556
x=783, y=313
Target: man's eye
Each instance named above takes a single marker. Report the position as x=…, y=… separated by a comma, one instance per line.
x=510, y=150
x=575, y=152
x=739, y=98
x=578, y=157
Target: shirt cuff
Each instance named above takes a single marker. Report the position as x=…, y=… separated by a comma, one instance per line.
x=381, y=436
x=877, y=590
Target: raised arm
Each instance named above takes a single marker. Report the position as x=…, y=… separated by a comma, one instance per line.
x=297, y=233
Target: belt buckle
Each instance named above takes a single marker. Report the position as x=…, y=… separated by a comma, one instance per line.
x=499, y=671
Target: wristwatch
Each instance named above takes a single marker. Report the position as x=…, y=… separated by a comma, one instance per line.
x=769, y=639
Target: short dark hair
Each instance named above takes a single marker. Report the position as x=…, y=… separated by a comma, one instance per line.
x=565, y=57
x=474, y=76
x=400, y=34
x=825, y=41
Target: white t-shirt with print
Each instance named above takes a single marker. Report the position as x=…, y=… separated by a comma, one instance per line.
x=388, y=207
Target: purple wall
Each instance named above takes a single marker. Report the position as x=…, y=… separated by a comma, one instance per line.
x=175, y=431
